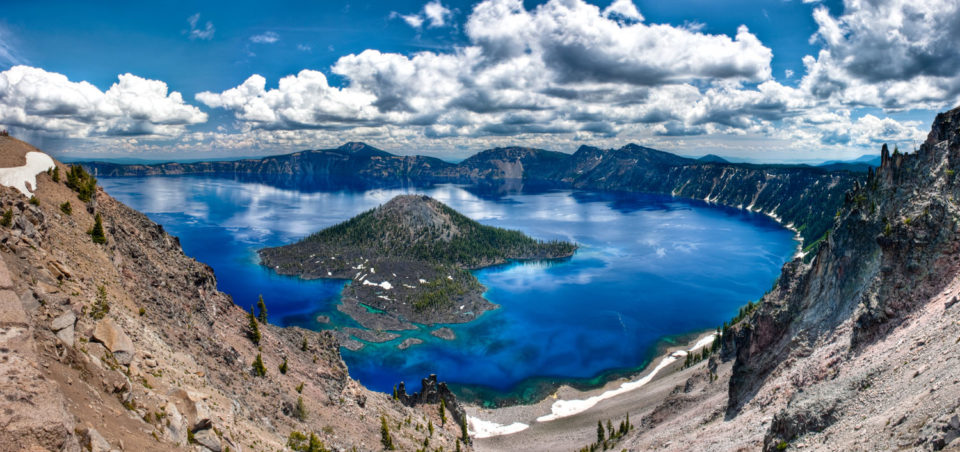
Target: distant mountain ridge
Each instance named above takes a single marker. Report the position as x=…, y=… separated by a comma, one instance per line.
x=800, y=196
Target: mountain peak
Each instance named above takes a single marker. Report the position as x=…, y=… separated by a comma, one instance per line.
x=362, y=149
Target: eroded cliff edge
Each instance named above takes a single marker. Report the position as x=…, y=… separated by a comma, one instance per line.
x=857, y=349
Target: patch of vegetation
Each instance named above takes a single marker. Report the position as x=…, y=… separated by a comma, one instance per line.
x=300, y=442
x=695, y=357
x=259, y=369
x=464, y=436
x=300, y=410
x=283, y=366
x=34, y=201
x=607, y=437
x=66, y=208
x=253, y=327
x=385, y=437
x=82, y=182
x=7, y=218
x=96, y=232
x=262, y=308
x=441, y=291
x=100, y=306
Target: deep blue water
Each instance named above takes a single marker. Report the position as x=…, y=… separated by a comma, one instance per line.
x=649, y=267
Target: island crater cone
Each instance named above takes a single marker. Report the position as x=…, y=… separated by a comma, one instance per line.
x=408, y=261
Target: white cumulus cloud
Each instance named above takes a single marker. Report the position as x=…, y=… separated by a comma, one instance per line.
x=892, y=54
x=34, y=99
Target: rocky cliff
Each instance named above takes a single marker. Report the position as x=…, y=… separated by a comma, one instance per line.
x=802, y=197
x=856, y=349
x=128, y=345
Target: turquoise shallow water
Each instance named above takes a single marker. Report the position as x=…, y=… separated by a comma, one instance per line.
x=649, y=267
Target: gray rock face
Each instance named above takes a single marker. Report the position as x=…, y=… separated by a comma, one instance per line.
x=176, y=429
x=66, y=335
x=433, y=392
x=67, y=319
x=806, y=414
x=208, y=439
x=882, y=259
x=95, y=442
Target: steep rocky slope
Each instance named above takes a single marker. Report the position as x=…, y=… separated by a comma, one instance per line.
x=129, y=345
x=800, y=196
x=857, y=350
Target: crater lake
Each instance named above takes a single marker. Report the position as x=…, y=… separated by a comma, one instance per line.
x=649, y=270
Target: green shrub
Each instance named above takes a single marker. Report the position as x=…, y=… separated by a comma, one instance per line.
x=262, y=307
x=66, y=208
x=253, y=327
x=300, y=411
x=283, y=366
x=301, y=443
x=96, y=233
x=34, y=201
x=7, y=219
x=100, y=305
x=82, y=182
x=259, y=369
x=385, y=437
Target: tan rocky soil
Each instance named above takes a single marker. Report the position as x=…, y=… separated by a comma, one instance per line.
x=168, y=366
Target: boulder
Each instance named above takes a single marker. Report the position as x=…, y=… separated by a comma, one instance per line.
x=208, y=439
x=67, y=319
x=115, y=340
x=66, y=336
x=95, y=442
x=176, y=428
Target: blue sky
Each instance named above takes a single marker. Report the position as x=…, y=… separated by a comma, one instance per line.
x=450, y=78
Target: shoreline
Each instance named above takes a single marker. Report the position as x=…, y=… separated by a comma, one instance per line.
x=567, y=402
x=544, y=387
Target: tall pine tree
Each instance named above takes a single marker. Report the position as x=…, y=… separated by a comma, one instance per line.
x=254, y=327
x=262, y=307
x=96, y=234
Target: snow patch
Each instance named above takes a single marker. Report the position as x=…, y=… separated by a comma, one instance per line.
x=479, y=428
x=18, y=177
x=564, y=408
x=386, y=284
